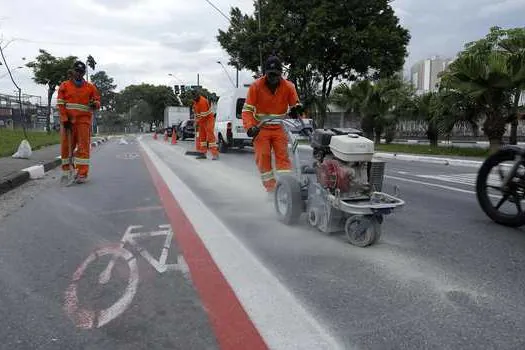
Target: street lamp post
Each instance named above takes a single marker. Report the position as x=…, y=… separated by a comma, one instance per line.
x=228, y=75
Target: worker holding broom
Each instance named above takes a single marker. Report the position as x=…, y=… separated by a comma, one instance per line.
x=76, y=101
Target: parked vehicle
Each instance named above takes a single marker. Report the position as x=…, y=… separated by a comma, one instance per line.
x=229, y=130
x=186, y=129
x=174, y=115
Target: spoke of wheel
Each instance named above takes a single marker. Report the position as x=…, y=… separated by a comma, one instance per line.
x=503, y=200
x=518, y=202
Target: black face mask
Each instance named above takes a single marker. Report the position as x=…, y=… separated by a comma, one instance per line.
x=273, y=78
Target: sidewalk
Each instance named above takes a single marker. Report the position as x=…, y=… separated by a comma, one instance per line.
x=12, y=171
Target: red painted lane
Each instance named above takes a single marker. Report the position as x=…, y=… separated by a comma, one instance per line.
x=231, y=324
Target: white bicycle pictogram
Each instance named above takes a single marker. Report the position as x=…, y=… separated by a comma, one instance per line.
x=129, y=156
x=85, y=318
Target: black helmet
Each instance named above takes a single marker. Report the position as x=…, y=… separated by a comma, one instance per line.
x=79, y=66
x=273, y=64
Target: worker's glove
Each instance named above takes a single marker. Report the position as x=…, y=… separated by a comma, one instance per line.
x=296, y=111
x=253, y=131
x=67, y=125
x=93, y=104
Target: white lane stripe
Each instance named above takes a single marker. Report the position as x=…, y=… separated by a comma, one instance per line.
x=279, y=317
x=436, y=185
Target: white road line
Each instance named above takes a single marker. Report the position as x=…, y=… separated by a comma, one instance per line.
x=437, y=185
x=429, y=184
x=280, y=318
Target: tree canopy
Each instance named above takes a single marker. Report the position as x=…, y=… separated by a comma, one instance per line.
x=106, y=87
x=319, y=41
x=51, y=71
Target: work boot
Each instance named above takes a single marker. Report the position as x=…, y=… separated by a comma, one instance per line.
x=80, y=179
x=201, y=156
x=65, y=178
x=215, y=157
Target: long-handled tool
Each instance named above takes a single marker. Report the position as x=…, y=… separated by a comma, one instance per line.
x=71, y=174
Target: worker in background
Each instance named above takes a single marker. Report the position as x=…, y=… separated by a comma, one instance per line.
x=76, y=101
x=205, y=122
x=268, y=97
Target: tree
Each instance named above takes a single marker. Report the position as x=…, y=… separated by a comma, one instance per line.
x=187, y=99
x=379, y=104
x=511, y=43
x=106, y=87
x=51, y=71
x=489, y=80
x=320, y=41
x=158, y=98
x=141, y=112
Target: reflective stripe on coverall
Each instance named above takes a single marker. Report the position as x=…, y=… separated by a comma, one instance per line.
x=205, y=122
x=262, y=104
x=73, y=104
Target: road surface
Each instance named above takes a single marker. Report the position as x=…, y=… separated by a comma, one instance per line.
x=442, y=277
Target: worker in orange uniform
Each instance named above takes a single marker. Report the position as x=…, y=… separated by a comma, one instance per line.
x=269, y=97
x=205, y=121
x=76, y=101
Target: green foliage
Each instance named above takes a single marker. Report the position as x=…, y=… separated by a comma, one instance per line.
x=106, y=87
x=156, y=96
x=141, y=112
x=319, y=41
x=10, y=140
x=91, y=63
x=491, y=72
x=187, y=98
x=51, y=71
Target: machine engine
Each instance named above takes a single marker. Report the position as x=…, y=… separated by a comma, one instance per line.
x=342, y=157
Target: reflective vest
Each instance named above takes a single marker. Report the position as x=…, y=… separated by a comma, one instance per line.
x=73, y=101
x=202, y=108
x=261, y=104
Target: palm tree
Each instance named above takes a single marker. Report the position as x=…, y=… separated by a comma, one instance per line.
x=488, y=80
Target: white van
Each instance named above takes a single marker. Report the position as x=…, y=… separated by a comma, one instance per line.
x=228, y=123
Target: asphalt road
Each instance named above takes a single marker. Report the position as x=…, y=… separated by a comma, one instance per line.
x=49, y=300
x=442, y=277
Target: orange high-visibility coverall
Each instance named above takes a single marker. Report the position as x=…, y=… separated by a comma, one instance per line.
x=205, y=123
x=73, y=105
x=262, y=104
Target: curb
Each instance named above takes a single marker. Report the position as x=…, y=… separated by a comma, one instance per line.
x=11, y=182
x=23, y=176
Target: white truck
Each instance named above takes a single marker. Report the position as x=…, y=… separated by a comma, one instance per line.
x=173, y=116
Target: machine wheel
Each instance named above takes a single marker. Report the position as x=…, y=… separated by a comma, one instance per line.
x=223, y=146
x=288, y=201
x=362, y=231
x=313, y=217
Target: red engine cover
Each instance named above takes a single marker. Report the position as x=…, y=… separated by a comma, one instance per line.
x=334, y=175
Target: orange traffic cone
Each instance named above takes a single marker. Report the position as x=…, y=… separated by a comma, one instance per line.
x=174, y=138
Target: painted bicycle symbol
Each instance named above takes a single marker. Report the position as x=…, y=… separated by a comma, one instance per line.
x=86, y=318
x=129, y=156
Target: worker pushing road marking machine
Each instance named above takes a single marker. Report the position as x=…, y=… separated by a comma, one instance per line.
x=341, y=190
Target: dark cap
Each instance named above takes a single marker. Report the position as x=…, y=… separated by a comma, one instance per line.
x=273, y=64
x=79, y=66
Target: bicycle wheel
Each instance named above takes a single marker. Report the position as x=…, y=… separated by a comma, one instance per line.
x=85, y=318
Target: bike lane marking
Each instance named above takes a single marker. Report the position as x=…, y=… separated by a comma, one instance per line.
x=248, y=306
x=85, y=318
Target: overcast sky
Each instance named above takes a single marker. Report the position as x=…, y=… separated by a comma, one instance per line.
x=138, y=41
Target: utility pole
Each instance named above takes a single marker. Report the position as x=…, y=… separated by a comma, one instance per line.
x=19, y=92
x=198, y=80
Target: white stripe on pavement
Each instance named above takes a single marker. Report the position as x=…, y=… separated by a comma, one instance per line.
x=436, y=185
x=279, y=317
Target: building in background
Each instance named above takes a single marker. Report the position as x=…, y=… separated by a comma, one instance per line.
x=424, y=75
